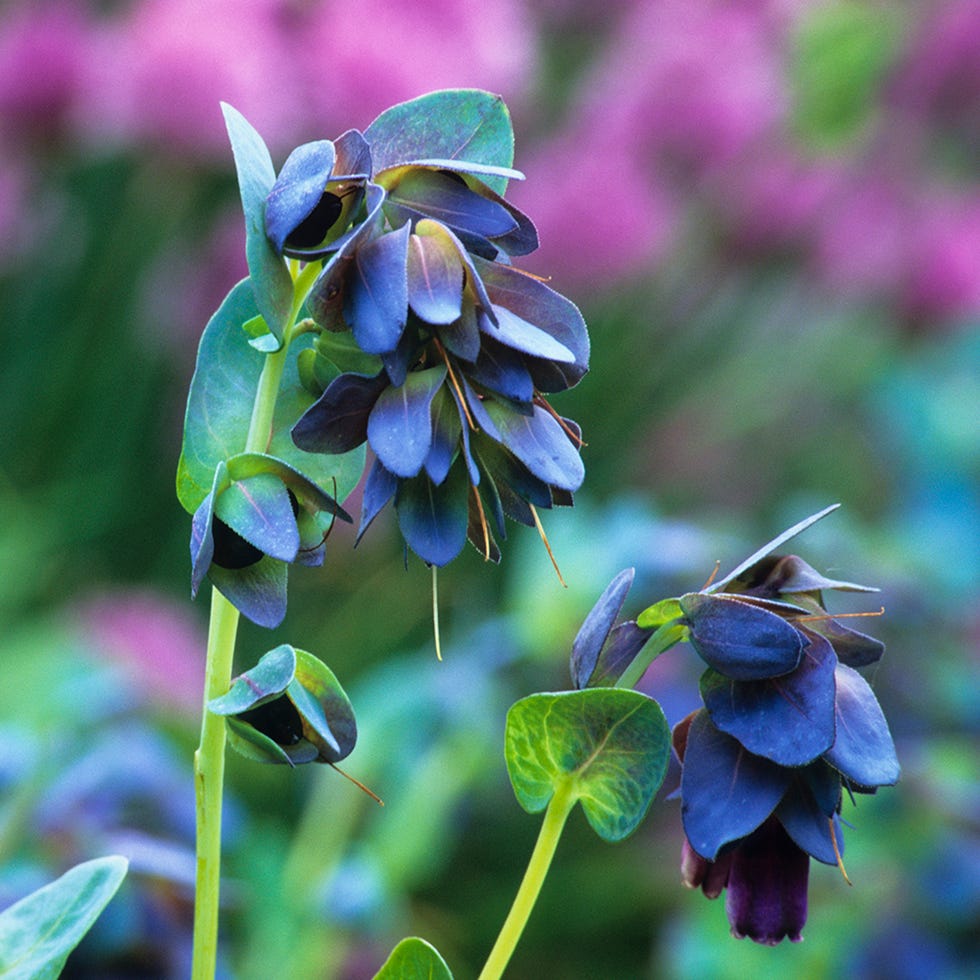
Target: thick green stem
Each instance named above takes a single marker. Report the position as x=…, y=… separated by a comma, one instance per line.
x=209, y=771
x=544, y=850
x=209, y=759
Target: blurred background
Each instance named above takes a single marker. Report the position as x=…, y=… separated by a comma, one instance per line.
x=769, y=212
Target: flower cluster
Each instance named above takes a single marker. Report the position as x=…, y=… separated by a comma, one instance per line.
x=454, y=348
x=787, y=724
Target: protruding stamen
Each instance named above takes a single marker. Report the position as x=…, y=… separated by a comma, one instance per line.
x=374, y=796
x=544, y=538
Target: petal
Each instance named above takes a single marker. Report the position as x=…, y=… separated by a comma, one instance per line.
x=789, y=719
x=726, y=792
x=338, y=421
x=376, y=292
x=767, y=886
x=741, y=640
x=863, y=751
x=594, y=631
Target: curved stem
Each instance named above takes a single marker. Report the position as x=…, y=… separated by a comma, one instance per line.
x=559, y=808
x=209, y=759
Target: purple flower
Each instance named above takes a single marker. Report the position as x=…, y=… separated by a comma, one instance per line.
x=766, y=880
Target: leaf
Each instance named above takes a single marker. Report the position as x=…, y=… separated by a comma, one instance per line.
x=270, y=280
x=338, y=421
x=452, y=124
x=793, y=574
x=863, y=751
x=504, y=371
x=596, y=626
x=447, y=429
x=219, y=409
x=38, y=932
x=379, y=488
x=376, y=298
x=400, y=425
x=414, y=959
x=540, y=443
x=767, y=549
x=611, y=744
x=515, y=332
x=726, y=792
x=433, y=519
x=740, y=639
x=789, y=719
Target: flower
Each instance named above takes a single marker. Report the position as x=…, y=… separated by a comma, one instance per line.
x=432, y=348
x=260, y=516
x=288, y=709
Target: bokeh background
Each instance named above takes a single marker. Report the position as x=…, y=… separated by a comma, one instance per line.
x=769, y=211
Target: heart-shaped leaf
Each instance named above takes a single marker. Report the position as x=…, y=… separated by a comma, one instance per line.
x=219, y=409
x=414, y=959
x=270, y=281
x=611, y=746
x=38, y=932
x=452, y=124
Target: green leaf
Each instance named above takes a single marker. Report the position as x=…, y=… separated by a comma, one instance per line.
x=271, y=282
x=613, y=745
x=38, y=932
x=452, y=124
x=665, y=611
x=414, y=959
x=219, y=409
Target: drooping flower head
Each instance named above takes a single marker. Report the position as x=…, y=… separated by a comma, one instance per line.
x=788, y=724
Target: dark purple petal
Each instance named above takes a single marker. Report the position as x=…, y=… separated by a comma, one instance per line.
x=376, y=292
x=379, y=488
x=697, y=872
x=806, y=823
x=338, y=421
x=540, y=443
x=741, y=640
x=595, y=627
x=400, y=425
x=726, y=792
x=767, y=885
x=298, y=189
x=789, y=719
x=435, y=274
x=434, y=519
x=863, y=751
x=625, y=641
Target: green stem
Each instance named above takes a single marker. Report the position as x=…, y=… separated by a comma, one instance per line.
x=209, y=772
x=209, y=759
x=559, y=808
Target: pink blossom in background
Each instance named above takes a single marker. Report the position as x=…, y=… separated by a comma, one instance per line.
x=43, y=50
x=356, y=59
x=155, y=639
x=14, y=219
x=161, y=67
x=942, y=281
x=859, y=242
